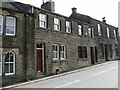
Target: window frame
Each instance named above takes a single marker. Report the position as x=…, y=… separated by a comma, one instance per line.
x=57, y=24
x=1, y=25
x=57, y=52
x=1, y=62
x=99, y=29
x=68, y=26
x=13, y=26
x=89, y=32
x=10, y=63
x=80, y=29
x=62, y=52
x=108, y=32
x=41, y=20
x=115, y=34
x=82, y=52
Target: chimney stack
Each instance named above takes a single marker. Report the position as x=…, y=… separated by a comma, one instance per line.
x=49, y=5
x=74, y=10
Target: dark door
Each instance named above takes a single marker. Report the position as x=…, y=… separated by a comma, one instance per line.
x=106, y=52
x=39, y=61
x=96, y=56
x=92, y=55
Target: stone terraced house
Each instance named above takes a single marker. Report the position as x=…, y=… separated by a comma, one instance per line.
x=37, y=42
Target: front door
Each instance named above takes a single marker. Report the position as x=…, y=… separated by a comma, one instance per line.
x=92, y=55
x=39, y=60
x=96, y=58
x=106, y=52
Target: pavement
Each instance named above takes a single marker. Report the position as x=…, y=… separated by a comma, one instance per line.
x=65, y=81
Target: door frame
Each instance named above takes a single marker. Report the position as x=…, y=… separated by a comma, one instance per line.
x=92, y=55
x=43, y=58
x=96, y=54
x=106, y=52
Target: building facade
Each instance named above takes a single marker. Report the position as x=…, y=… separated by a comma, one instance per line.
x=38, y=41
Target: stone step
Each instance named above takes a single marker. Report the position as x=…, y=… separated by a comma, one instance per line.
x=40, y=75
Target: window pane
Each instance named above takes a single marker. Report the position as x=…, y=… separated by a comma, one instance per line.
x=0, y=68
x=0, y=29
x=84, y=52
x=0, y=63
x=11, y=68
x=56, y=27
x=80, y=32
x=115, y=33
x=10, y=21
x=99, y=30
x=56, y=21
x=55, y=55
x=0, y=20
x=0, y=57
x=42, y=17
x=55, y=51
x=11, y=57
x=10, y=30
x=54, y=48
x=67, y=24
x=108, y=33
x=6, y=68
x=7, y=57
x=89, y=32
x=79, y=52
x=61, y=54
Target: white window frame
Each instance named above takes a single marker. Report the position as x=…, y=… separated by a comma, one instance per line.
x=56, y=24
x=62, y=52
x=68, y=27
x=115, y=34
x=80, y=29
x=89, y=32
x=42, y=20
x=99, y=30
x=57, y=52
x=1, y=63
x=13, y=26
x=1, y=24
x=11, y=63
x=108, y=32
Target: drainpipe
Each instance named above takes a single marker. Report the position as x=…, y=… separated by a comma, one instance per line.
x=25, y=46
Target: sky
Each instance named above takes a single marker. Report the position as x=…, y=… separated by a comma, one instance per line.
x=94, y=8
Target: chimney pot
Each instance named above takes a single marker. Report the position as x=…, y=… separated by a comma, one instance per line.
x=74, y=10
x=103, y=20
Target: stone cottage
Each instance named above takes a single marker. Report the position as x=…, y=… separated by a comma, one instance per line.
x=37, y=42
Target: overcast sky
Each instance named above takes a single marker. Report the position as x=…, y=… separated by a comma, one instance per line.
x=94, y=8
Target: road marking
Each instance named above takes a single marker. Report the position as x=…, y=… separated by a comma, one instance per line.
x=67, y=84
x=95, y=74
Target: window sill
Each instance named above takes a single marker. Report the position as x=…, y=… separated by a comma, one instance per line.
x=10, y=35
x=82, y=59
x=58, y=60
x=9, y=74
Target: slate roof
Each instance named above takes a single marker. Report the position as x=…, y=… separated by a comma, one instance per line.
x=16, y=6
x=81, y=17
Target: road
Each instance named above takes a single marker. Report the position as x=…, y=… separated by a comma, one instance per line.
x=104, y=76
